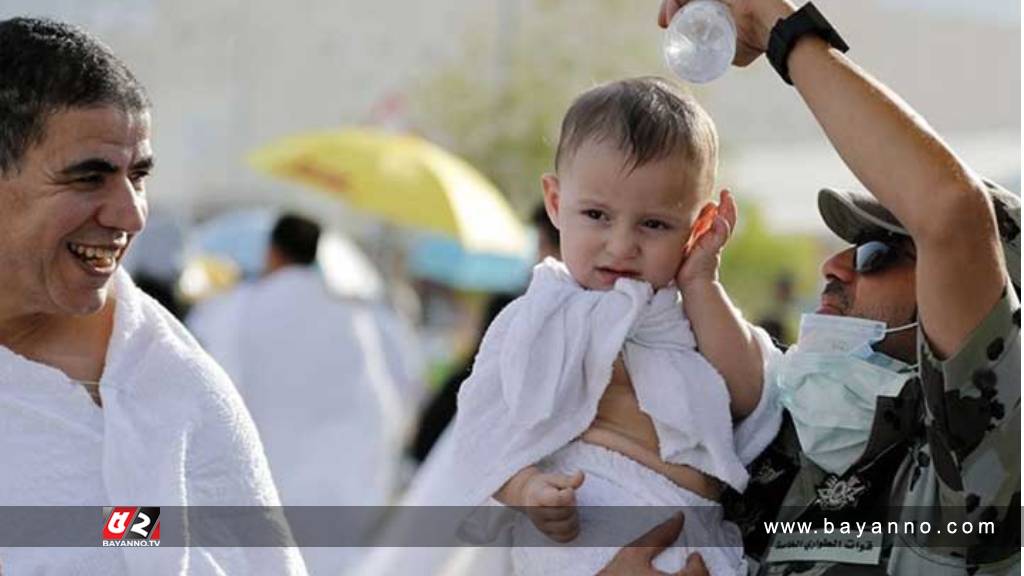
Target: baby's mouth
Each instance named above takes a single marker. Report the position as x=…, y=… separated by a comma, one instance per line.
x=620, y=273
x=100, y=259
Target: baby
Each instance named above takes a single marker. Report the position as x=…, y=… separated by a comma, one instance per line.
x=588, y=391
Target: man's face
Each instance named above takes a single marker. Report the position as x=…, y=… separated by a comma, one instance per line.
x=69, y=213
x=887, y=294
x=615, y=222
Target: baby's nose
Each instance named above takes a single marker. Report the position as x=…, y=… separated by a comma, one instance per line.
x=623, y=244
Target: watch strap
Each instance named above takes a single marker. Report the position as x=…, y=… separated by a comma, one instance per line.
x=787, y=31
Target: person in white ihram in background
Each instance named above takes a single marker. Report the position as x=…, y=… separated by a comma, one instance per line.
x=313, y=371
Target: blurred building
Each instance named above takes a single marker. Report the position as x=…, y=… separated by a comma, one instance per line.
x=229, y=75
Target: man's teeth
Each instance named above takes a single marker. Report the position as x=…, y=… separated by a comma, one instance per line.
x=99, y=255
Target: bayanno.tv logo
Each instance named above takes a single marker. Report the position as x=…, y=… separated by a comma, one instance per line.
x=136, y=526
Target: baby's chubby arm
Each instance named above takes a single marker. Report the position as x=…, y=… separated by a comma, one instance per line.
x=723, y=337
x=549, y=500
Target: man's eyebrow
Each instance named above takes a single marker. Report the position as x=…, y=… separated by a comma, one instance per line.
x=146, y=163
x=89, y=166
x=99, y=165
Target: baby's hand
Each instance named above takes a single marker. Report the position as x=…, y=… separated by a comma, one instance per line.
x=550, y=501
x=711, y=232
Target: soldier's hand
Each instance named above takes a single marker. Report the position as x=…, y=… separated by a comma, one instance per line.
x=636, y=558
x=754, y=21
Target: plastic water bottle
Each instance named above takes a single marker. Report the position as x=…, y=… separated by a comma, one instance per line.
x=700, y=42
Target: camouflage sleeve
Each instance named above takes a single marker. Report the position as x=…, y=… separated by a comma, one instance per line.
x=972, y=404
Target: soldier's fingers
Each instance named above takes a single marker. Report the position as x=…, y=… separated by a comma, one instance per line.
x=668, y=9
x=658, y=538
x=694, y=567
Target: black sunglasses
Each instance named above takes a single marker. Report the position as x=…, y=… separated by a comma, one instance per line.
x=876, y=255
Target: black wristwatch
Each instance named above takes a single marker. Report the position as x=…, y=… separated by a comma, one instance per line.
x=786, y=32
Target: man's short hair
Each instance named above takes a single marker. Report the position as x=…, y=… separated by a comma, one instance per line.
x=47, y=67
x=647, y=118
x=296, y=238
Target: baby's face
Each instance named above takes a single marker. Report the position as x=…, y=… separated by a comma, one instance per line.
x=615, y=222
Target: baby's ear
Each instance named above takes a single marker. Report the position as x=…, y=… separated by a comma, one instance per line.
x=552, y=197
x=705, y=219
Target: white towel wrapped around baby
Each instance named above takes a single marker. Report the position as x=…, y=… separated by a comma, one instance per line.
x=542, y=368
x=545, y=363
x=621, y=500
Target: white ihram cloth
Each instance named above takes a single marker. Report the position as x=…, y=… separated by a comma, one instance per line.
x=312, y=369
x=432, y=484
x=172, y=431
x=545, y=363
x=619, y=501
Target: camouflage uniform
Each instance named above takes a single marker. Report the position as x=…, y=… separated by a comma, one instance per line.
x=946, y=449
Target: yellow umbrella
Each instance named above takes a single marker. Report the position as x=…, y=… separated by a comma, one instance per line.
x=402, y=179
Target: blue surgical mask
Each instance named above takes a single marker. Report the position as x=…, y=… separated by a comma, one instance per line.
x=830, y=382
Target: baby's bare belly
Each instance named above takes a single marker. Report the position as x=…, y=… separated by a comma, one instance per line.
x=622, y=427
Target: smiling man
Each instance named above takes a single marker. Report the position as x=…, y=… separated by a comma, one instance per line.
x=71, y=203
x=105, y=399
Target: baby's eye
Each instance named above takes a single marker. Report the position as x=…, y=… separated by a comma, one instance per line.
x=656, y=224
x=594, y=214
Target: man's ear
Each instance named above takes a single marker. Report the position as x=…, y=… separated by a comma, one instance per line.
x=552, y=196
